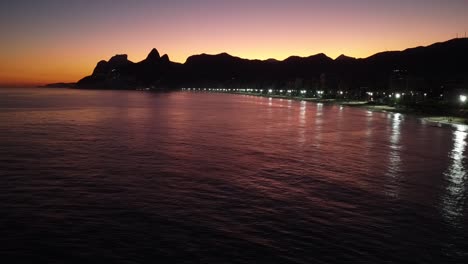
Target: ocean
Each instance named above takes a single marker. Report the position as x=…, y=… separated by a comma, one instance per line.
x=137, y=177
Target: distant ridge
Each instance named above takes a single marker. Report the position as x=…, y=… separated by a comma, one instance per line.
x=343, y=57
x=439, y=65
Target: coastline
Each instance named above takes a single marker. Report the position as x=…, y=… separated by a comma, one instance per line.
x=439, y=120
x=436, y=119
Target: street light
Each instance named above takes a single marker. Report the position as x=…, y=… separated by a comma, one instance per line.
x=463, y=98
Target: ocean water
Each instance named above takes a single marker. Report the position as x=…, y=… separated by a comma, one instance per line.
x=134, y=177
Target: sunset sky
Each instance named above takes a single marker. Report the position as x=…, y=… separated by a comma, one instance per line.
x=54, y=40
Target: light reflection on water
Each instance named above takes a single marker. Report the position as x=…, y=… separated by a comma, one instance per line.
x=369, y=131
x=318, y=124
x=455, y=196
x=394, y=161
x=302, y=123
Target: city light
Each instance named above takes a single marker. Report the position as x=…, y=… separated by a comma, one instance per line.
x=270, y=90
x=397, y=96
x=463, y=98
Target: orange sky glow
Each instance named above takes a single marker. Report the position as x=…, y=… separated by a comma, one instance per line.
x=53, y=42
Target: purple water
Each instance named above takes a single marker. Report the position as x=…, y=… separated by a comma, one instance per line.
x=135, y=177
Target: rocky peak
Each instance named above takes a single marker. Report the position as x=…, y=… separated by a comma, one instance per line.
x=153, y=55
x=101, y=67
x=118, y=61
x=165, y=58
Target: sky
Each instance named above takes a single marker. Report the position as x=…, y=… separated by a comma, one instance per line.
x=50, y=41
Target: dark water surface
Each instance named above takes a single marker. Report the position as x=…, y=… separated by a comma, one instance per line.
x=133, y=177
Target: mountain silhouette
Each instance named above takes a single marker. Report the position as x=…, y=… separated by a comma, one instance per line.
x=343, y=57
x=430, y=69
x=153, y=55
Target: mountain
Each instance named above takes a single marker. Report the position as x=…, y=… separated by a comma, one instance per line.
x=421, y=68
x=343, y=57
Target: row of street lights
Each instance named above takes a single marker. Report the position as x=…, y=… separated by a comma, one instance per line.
x=270, y=91
x=463, y=98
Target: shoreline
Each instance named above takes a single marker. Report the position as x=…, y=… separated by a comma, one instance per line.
x=440, y=120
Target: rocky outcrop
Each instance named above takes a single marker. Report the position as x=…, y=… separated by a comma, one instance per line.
x=120, y=73
x=153, y=56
